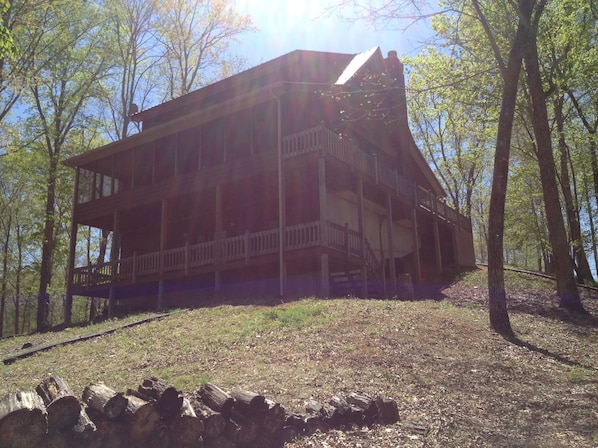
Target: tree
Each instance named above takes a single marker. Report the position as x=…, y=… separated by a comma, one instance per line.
x=195, y=37
x=444, y=99
x=67, y=81
x=566, y=286
x=131, y=24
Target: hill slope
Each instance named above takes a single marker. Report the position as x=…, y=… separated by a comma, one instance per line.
x=438, y=359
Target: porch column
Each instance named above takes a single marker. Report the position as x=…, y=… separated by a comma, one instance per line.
x=163, y=236
x=391, y=246
x=68, y=305
x=115, y=248
x=456, y=240
x=218, y=241
x=111, y=302
x=437, y=247
x=361, y=221
x=324, y=262
x=325, y=276
x=418, y=266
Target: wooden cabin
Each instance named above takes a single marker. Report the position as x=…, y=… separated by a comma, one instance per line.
x=297, y=177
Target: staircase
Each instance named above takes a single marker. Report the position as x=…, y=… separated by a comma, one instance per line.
x=350, y=283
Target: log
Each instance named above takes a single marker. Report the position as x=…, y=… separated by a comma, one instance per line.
x=219, y=442
x=54, y=439
x=23, y=420
x=213, y=422
x=187, y=428
x=112, y=433
x=367, y=406
x=101, y=398
x=286, y=435
x=316, y=423
x=295, y=420
x=274, y=418
x=217, y=399
x=249, y=402
x=344, y=414
x=85, y=428
x=62, y=406
x=314, y=407
x=388, y=411
x=169, y=399
x=242, y=432
x=142, y=417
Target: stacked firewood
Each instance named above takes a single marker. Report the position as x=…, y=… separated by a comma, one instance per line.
x=158, y=415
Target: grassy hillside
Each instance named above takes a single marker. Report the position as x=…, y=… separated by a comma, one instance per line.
x=437, y=358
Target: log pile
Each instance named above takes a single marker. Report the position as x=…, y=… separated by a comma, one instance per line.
x=157, y=415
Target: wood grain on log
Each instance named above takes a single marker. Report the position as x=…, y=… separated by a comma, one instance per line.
x=85, y=428
x=367, y=406
x=217, y=399
x=143, y=418
x=250, y=402
x=105, y=400
x=219, y=442
x=187, y=428
x=169, y=399
x=213, y=422
x=242, y=432
x=388, y=411
x=274, y=418
x=23, y=420
x=62, y=405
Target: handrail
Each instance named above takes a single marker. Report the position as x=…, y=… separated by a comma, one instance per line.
x=299, y=236
x=324, y=140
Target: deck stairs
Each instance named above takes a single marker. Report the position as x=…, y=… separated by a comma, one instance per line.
x=350, y=283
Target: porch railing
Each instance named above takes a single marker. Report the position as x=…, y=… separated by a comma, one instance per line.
x=247, y=246
x=324, y=140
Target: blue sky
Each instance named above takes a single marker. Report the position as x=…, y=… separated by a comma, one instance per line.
x=287, y=25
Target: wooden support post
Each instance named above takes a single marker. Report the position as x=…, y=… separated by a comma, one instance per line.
x=163, y=232
x=322, y=193
x=391, y=251
x=187, y=256
x=347, y=246
x=160, y=304
x=218, y=226
x=418, y=267
x=111, y=302
x=247, y=242
x=218, y=249
x=437, y=249
x=217, y=283
x=134, y=268
x=324, y=262
x=361, y=220
x=325, y=276
x=115, y=248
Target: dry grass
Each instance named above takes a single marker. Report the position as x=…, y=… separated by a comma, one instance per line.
x=438, y=359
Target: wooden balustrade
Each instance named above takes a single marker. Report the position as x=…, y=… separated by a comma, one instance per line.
x=329, y=143
x=182, y=259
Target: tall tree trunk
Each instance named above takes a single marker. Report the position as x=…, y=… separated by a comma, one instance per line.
x=584, y=272
x=497, y=306
x=566, y=287
x=45, y=278
x=17, y=298
x=590, y=213
x=3, y=288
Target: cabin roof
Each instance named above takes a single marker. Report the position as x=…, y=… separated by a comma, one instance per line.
x=297, y=66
